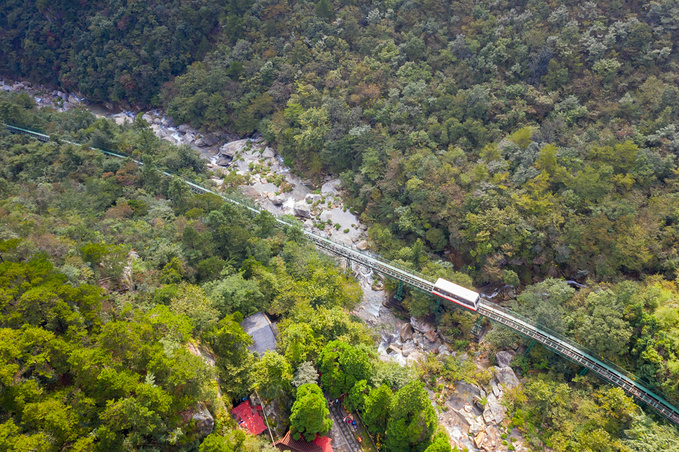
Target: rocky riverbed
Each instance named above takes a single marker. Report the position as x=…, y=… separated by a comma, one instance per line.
x=473, y=416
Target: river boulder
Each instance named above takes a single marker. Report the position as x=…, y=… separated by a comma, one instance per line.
x=302, y=209
x=504, y=358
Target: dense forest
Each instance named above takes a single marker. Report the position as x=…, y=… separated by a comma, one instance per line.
x=525, y=139
x=489, y=143
x=114, y=51
x=110, y=275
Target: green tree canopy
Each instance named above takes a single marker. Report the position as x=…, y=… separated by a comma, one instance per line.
x=412, y=419
x=342, y=366
x=310, y=415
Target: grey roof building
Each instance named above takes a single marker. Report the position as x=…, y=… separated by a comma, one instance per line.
x=263, y=334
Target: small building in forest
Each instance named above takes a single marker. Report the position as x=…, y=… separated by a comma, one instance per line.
x=320, y=444
x=248, y=417
x=259, y=328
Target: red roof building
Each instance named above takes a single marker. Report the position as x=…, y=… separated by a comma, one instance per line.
x=320, y=444
x=249, y=418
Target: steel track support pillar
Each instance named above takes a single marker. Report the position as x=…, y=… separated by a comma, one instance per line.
x=530, y=347
x=399, y=291
x=477, y=328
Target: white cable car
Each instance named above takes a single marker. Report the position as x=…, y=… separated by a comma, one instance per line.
x=456, y=294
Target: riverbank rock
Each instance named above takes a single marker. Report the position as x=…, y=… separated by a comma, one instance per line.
x=203, y=420
x=421, y=325
x=331, y=187
x=207, y=141
x=121, y=118
x=493, y=412
x=478, y=439
x=223, y=160
x=406, y=332
x=278, y=200
x=232, y=148
x=393, y=349
x=302, y=209
x=408, y=348
x=506, y=376
x=325, y=216
x=504, y=359
x=414, y=357
x=268, y=153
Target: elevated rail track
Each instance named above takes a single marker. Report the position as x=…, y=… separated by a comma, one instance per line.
x=553, y=341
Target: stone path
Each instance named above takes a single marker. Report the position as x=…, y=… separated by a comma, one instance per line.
x=344, y=439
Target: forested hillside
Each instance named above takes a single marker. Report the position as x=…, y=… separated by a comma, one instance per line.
x=117, y=282
x=527, y=139
x=491, y=143
x=100, y=266
x=107, y=50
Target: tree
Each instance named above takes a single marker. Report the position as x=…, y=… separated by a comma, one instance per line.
x=235, y=293
x=324, y=10
x=342, y=366
x=545, y=303
x=440, y=443
x=376, y=412
x=648, y=436
x=230, y=342
x=412, y=419
x=305, y=374
x=216, y=443
x=357, y=394
x=310, y=415
x=191, y=301
x=603, y=329
x=272, y=375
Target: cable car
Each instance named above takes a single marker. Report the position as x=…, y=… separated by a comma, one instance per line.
x=456, y=294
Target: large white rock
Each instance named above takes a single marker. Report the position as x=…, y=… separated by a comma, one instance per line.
x=415, y=357
x=207, y=140
x=494, y=413
x=268, y=153
x=302, y=209
x=203, y=420
x=183, y=128
x=423, y=327
x=406, y=332
x=504, y=358
x=506, y=376
x=408, y=349
x=121, y=118
x=278, y=200
x=232, y=148
x=158, y=131
x=188, y=138
x=331, y=187
x=326, y=215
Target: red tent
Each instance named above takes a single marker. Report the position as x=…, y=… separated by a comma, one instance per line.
x=248, y=417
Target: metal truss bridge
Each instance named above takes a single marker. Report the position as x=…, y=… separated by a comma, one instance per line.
x=559, y=344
